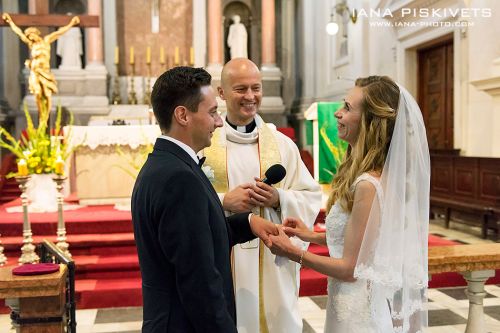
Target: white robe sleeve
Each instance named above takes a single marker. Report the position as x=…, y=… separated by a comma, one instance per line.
x=300, y=195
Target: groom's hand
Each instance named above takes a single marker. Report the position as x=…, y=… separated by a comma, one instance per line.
x=262, y=228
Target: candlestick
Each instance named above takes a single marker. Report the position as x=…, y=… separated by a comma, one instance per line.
x=3, y=258
x=59, y=166
x=191, y=56
x=176, y=56
x=148, y=55
x=162, y=55
x=131, y=55
x=22, y=168
x=132, y=98
x=115, y=98
x=28, y=255
x=147, y=91
x=61, y=229
x=117, y=56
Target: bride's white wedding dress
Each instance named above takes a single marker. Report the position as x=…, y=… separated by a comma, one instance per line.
x=349, y=308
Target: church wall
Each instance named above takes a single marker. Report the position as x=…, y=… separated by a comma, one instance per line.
x=482, y=118
x=387, y=51
x=134, y=29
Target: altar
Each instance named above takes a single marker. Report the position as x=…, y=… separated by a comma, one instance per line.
x=106, y=160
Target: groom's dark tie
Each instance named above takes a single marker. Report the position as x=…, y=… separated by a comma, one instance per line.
x=201, y=161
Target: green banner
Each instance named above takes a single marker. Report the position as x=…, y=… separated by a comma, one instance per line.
x=309, y=133
x=331, y=148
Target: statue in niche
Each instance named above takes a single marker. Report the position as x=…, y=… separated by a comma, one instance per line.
x=69, y=48
x=237, y=39
x=69, y=45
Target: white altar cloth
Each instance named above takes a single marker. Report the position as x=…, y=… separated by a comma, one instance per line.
x=101, y=174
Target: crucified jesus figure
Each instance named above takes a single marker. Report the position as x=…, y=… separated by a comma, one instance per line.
x=41, y=81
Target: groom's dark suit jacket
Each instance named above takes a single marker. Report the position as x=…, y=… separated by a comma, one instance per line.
x=184, y=242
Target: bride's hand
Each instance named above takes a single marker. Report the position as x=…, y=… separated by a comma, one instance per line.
x=295, y=227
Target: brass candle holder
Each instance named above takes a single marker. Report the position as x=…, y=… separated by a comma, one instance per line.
x=28, y=254
x=115, y=98
x=147, y=91
x=61, y=229
x=132, y=97
x=3, y=258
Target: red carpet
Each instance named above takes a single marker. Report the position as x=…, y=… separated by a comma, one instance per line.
x=102, y=243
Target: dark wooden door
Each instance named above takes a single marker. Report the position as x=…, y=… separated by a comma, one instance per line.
x=435, y=94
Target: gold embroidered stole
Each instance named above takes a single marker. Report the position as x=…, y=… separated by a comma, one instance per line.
x=269, y=155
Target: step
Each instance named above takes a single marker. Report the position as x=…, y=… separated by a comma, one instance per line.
x=318, y=249
x=83, y=244
x=10, y=191
x=107, y=266
x=7, y=198
x=312, y=283
x=106, y=293
x=86, y=220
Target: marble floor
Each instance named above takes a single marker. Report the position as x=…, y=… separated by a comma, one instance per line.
x=448, y=307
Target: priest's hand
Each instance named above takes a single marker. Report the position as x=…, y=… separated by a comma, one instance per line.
x=264, y=195
x=238, y=200
x=263, y=229
x=282, y=246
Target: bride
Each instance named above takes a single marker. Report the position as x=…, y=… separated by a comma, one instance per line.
x=377, y=225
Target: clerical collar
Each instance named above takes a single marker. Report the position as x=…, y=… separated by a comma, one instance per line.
x=243, y=129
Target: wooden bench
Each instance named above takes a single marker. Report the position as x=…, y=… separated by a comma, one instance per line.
x=489, y=216
x=476, y=263
x=466, y=189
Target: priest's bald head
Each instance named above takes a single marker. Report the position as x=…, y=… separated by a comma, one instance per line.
x=241, y=88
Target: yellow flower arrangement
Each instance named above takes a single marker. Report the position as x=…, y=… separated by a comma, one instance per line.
x=41, y=149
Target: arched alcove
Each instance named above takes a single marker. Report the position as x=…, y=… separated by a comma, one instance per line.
x=244, y=11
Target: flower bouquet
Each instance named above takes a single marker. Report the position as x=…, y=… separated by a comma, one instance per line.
x=40, y=152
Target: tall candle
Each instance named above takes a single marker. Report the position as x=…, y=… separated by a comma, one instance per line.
x=131, y=55
x=59, y=166
x=162, y=55
x=176, y=56
x=22, y=167
x=117, y=56
x=191, y=56
x=148, y=55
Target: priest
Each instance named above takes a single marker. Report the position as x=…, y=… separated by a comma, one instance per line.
x=266, y=286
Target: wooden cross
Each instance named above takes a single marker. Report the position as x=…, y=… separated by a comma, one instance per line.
x=24, y=20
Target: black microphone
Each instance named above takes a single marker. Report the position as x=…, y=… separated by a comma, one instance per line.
x=274, y=174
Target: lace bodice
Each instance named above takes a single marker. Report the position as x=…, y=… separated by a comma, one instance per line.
x=346, y=300
x=337, y=219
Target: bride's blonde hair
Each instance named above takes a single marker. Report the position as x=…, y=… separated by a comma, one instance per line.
x=378, y=116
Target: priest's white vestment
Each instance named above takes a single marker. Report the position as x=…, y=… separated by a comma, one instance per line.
x=236, y=158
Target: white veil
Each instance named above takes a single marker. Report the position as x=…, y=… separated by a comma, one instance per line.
x=393, y=254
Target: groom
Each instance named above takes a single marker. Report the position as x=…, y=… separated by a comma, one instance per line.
x=183, y=238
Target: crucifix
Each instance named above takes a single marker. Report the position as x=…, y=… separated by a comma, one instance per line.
x=41, y=81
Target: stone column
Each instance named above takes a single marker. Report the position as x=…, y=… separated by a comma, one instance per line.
x=199, y=32
x=272, y=107
x=39, y=7
x=476, y=293
x=94, y=37
x=215, y=39
x=268, y=34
